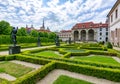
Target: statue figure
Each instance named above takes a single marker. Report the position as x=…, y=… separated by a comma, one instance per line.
x=13, y=35
x=57, y=41
x=69, y=40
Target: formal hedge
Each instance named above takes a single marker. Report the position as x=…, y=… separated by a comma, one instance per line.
x=106, y=73
x=33, y=77
x=83, y=62
x=6, y=39
x=32, y=59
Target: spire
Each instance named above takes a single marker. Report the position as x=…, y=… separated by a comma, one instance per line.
x=31, y=26
x=26, y=26
x=43, y=24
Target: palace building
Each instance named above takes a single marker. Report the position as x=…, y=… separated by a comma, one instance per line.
x=90, y=31
x=87, y=31
x=114, y=24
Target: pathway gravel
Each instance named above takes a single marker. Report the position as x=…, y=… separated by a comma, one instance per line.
x=53, y=75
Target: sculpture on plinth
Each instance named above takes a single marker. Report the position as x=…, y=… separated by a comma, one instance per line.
x=57, y=41
x=69, y=40
x=14, y=49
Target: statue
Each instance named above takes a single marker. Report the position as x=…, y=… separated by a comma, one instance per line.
x=57, y=41
x=15, y=48
x=39, y=39
x=69, y=40
x=13, y=35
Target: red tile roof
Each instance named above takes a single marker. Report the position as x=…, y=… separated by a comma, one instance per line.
x=90, y=25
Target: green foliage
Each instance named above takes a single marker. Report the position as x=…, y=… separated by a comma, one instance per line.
x=33, y=77
x=22, y=32
x=4, y=27
x=106, y=73
x=34, y=33
x=69, y=80
x=109, y=45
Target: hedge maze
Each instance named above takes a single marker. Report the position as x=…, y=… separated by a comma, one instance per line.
x=96, y=69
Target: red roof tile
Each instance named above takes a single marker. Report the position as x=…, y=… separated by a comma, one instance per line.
x=89, y=25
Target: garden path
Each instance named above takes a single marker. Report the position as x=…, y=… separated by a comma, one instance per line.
x=7, y=52
x=7, y=77
x=53, y=75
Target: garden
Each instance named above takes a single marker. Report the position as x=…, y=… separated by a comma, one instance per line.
x=89, y=59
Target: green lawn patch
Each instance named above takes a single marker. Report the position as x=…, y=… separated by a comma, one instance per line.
x=3, y=81
x=97, y=58
x=75, y=50
x=14, y=69
x=48, y=53
x=69, y=80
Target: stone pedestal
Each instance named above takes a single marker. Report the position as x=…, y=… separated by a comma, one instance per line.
x=14, y=49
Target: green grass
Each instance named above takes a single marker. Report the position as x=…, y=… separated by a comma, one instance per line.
x=75, y=50
x=97, y=58
x=14, y=69
x=69, y=80
x=48, y=53
x=4, y=81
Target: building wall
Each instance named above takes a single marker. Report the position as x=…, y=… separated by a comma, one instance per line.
x=115, y=26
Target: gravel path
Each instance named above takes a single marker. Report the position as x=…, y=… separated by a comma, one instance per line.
x=36, y=66
x=53, y=75
x=117, y=59
x=7, y=52
x=7, y=77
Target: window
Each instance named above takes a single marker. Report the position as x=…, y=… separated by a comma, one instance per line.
x=116, y=13
x=100, y=38
x=106, y=33
x=106, y=29
x=111, y=18
x=100, y=29
x=100, y=34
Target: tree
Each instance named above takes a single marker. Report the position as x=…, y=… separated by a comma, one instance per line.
x=4, y=27
x=22, y=32
x=34, y=33
x=51, y=35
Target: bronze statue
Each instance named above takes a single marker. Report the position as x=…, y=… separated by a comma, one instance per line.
x=13, y=35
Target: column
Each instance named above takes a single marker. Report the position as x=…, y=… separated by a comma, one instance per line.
x=86, y=35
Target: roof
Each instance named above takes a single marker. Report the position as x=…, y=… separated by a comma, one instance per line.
x=113, y=8
x=89, y=25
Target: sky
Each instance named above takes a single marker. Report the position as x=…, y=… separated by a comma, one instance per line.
x=57, y=14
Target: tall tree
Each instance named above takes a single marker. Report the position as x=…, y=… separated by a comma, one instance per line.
x=34, y=33
x=22, y=32
x=4, y=27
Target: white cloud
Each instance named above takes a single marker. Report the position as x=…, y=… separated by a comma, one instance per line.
x=57, y=16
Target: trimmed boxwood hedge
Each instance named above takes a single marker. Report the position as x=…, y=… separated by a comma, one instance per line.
x=104, y=65
x=106, y=73
x=33, y=77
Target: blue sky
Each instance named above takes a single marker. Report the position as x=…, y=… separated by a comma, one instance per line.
x=58, y=14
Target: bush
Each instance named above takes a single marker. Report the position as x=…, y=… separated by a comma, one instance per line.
x=32, y=59
x=109, y=45
x=33, y=77
x=106, y=73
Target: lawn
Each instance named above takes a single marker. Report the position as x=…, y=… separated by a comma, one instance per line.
x=48, y=53
x=98, y=58
x=69, y=80
x=3, y=81
x=13, y=69
x=75, y=50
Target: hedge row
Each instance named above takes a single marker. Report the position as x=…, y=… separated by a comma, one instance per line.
x=6, y=39
x=106, y=73
x=32, y=59
x=78, y=61
x=33, y=77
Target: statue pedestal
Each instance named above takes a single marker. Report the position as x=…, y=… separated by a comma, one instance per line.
x=14, y=49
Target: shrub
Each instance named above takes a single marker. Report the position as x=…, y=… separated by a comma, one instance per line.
x=109, y=45
x=33, y=77
x=106, y=73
